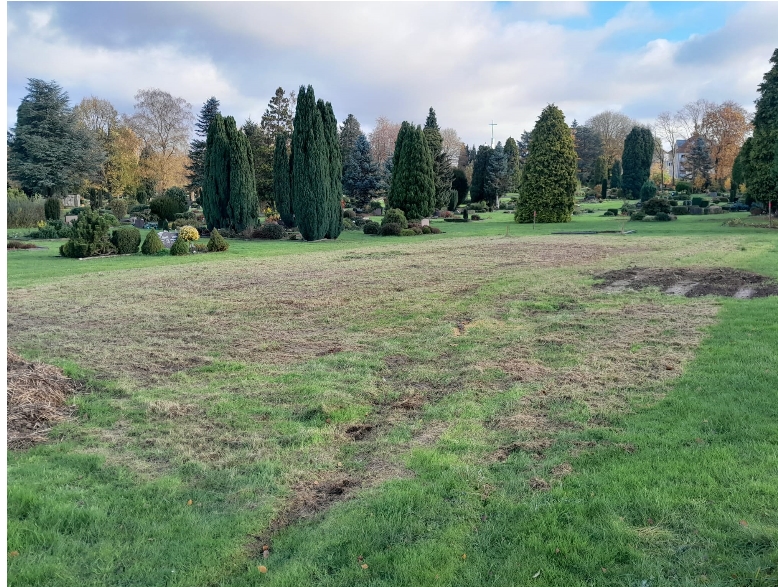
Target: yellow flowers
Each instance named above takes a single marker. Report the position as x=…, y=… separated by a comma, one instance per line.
x=188, y=233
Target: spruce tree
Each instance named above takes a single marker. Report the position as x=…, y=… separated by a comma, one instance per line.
x=477, y=184
x=243, y=204
x=310, y=172
x=360, y=173
x=440, y=162
x=413, y=178
x=616, y=174
x=196, y=166
x=216, y=175
x=636, y=161
x=548, y=180
x=334, y=169
x=282, y=181
x=347, y=136
x=700, y=162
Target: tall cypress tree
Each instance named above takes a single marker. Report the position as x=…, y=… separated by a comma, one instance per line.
x=441, y=164
x=310, y=173
x=548, y=181
x=282, y=181
x=477, y=189
x=616, y=174
x=636, y=161
x=243, y=204
x=413, y=178
x=216, y=175
x=512, y=163
x=196, y=166
x=334, y=169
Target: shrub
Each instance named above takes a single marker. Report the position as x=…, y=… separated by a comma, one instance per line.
x=216, y=242
x=407, y=232
x=446, y=214
x=360, y=221
x=655, y=205
x=348, y=224
x=679, y=210
x=371, y=227
x=180, y=247
x=662, y=217
x=416, y=230
x=23, y=212
x=152, y=244
x=609, y=213
x=394, y=216
x=647, y=191
x=426, y=230
x=199, y=248
x=88, y=237
x=616, y=211
x=52, y=209
x=478, y=207
x=20, y=245
x=166, y=208
x=126, y=240
x=456, y=219
x=374, y=205
x=349, y=213
x=637, y=215
x=118, y=208
x=188, y=233
x=139, y=209
x=715, y=210
x=465, y=215
x=269, y=231
x=434, y=230
x=475, y=217
x=52, y=229
x=391, y=229
x=179, y=195
x=684, y=187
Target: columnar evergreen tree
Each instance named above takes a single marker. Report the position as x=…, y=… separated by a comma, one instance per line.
x=360, y=173
x=48, y=152
x=347, y=136
x=761, y=165
x=310, y=169
x=496, y=173
x=196, y=166
x=616, y=174
x=460, y=185
x=604, y=191
x=216, y=175
x=413, y=177
x=405, y=130
x=282, y=180
x=441, y=164
x=548, y=181
x=513, y=165
x=334, y=169
x=600, y=170
x=243, y=203
x=588, y=147
x=636, y=160
x=478, y=183
x=700, y=162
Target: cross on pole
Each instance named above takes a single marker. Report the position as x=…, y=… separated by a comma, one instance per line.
x=493, y=124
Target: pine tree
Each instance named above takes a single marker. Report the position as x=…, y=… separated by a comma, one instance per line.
x=310, y=173
x=216, y=175
x=496, y=172
x=347, y=136
x=548, y=180
x=413, y=178
x=243, y=204
x=334, y=169
x=282, y=181
x=441, y=164
x=196, y=166
x=478, y=183
x=360, y=173
x=761, y=167
x=636, y=161
x=48, y=152
x=616, y=174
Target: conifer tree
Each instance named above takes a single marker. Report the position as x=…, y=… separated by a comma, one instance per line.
x=441, y=164
x=477, y=184
x=196, y=166
x=360, y=173
x=616, y=174
x=513, y=165
x=548, y=180
x=496, y=173
x=243, y=204
x=604, y=191
x=216, y=175
x=348, y=135
x=636, y=161
x=282, y=181
x=413, y=178
x=460, y=185
x=334, y=169
x=310, y=173
x=700, y=162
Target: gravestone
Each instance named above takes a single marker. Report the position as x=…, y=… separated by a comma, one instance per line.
x=378, y=212
x=695, y=210
x=71, y=201
x=70, y=218
x=425, y=221
x=167, y=238
x=138, y=222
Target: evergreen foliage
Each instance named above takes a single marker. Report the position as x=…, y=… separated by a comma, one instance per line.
x=216, y=242
x=513, y=172
x=277, y=119
x=600, y=170
x=88, y=237
x=441, y=164
x=616, y=174
x=152, y=244
x=347, y=137
x=480, y=165
x=310, y=169
x=360, y=173
x=654, y=205
x=604, y=190
x=180, y=247
x=700, y=161
x=588, y=148
x=179, y=195
x=636, y=160
x=460, y=186
x=196, y=166
x=52, y=208
x=496, y=175
x=334, y=166
x=126, y=239
x=413, y=177
x=282, y=181
x=394, y=216
x=243, y=202
x=647, y=191
x=216, y=175
x=48, y=152
x=548, y=180
x=166, y=208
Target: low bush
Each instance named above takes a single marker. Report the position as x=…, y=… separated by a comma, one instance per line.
x=662, y=217
x=715, y=210
x=475, y=217
x=407, y=232
x=679, y=210
x=457, y=219
x=126, y=240
x=166, y=208
x=269, y=231
x=20, y=245
x=360, y=221
x=188, y=233
x=426, y=230
x=647, y=191
x=199, y=248
x=638, y=215
x=394, y=216
x=152, y=244
x=52, y=229
x=23, y=212
x=609, y=213
x=479, y=207
x=180, y=247
x=655, y=205
x=348, y=224
x=349, y=213
x=417, y=230
x=217, y=243
x=435, y=230
x=371, y=227
x=683, y=187
x=52, y=209
x=446, y=214
x=88, y=237
x=391, y=229
x=616, y=211
x=118, y=208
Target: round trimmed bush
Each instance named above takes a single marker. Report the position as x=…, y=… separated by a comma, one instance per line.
x=188, y=233
x=371, y=227
x=655, y=205
x=637, y=215
x=391, y=229
x=426, y=230
x=395, y=216
x=152, y=244
x=647, y=191
x=180, y=247
x=217, y=243
x=435, y=230
x=417, y=230
x=270, y=231
x=126, y=240
x=662, y=217
x=407, y=232
x=609, y=213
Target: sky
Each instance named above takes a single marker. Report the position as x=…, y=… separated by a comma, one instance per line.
x=473, y=62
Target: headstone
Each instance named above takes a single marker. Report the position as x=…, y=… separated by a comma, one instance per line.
x=167, y=238
x=138, y=222
x=695, y=210
x=71, y=201
x=70, y=218
x=425, y=221
x=378, y=212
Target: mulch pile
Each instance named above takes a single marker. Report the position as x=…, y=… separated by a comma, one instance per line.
x=37, y=398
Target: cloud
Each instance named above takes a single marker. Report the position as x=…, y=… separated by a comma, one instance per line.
x=473, y=62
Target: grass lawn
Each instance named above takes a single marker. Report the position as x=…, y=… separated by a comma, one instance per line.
x=454, y=409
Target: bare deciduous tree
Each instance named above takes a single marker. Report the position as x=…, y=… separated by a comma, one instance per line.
x=692, y=115
x=382, y=139
x=452, y=144
x=613, y=128
x=668, y=128
x=98, y=116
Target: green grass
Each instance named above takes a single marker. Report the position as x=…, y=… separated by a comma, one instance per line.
x=273, y=349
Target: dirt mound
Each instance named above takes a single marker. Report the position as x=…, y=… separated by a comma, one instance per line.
x=691, y=282
x=37, y=399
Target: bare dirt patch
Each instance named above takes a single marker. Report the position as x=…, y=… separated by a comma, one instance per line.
x=691, y=282
x=37, y=398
